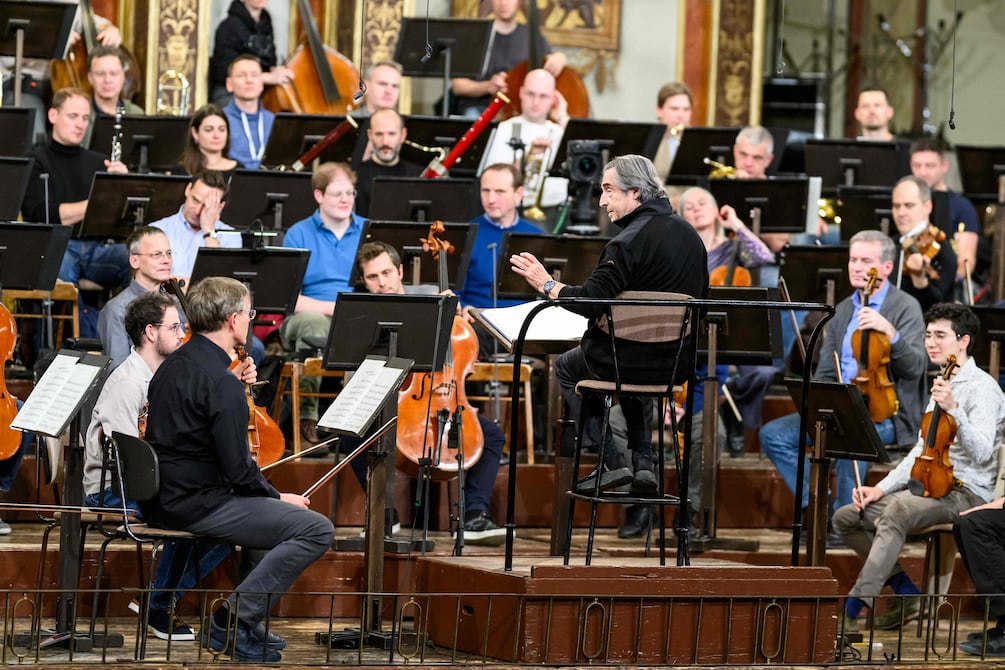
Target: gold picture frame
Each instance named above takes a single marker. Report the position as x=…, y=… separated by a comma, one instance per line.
x=593, y=24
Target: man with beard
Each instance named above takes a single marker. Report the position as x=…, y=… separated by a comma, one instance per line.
x=386, y=134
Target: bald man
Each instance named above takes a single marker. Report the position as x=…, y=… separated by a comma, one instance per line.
x=385, y=136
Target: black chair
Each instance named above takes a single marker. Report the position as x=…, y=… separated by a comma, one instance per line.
x=666, y=319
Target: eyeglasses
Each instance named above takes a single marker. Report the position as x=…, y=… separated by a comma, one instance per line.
x=252, y=313
x=939, y=335
x=176, y=327
x=157, y=255
x=338, y=195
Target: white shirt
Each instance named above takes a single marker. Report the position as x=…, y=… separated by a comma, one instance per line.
x=186, y=241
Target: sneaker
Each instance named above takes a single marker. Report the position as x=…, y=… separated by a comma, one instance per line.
x=272, y=640
x=901, y=610
x=394, y=530
x=479, y=528
x=4, y=527
x=166, y=627
x=241, y=643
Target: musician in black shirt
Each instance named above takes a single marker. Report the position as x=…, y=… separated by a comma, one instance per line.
x=198, y=424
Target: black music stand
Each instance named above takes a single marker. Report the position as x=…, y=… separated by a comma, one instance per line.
x=569, y=258
x=32, y=29
x=366, y=324
x=864, y=208
x=980, y=170
x=458, y=48
x=436, y=131
x=987, y=345
x=777, y=205
x=14, y=175
x=626, y=137
x=735, y=336
x=816, y=274
x=292, y=135
x=140, y=151
x=273, y=275
x=406, y=237
x=120, y=202
x=840, y=421
x=852, y=162
x=17, y=126
x=262, y=199
x=418, y=199
x=697, y=144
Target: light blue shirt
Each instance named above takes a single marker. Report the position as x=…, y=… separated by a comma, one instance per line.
x=849, y=365
x=331, y=260
x=186, y=241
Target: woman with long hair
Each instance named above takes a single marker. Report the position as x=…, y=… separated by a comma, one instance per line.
x=208, y=142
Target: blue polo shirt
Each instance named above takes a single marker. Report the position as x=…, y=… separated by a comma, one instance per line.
x=478, y=283
x=331, y=258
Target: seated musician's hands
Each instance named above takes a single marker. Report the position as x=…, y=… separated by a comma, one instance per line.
x=865, y=495
x=295, y=499
x=915, y=263
x=942, y=394
x=110, y=36
x=555, y=63
x=118, y=167
x=246, y=371
x=466, y=313
x=997, y=503
x=497, y=83
x=870, y=319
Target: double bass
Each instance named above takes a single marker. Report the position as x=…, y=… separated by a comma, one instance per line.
x=10, y=439
x=434, y=403
x=324, y=80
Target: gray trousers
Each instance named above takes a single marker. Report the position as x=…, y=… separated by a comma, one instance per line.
x=881, y=536
x=293, y=537
x=293, y=332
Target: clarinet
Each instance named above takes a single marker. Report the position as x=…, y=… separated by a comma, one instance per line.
x=116, y=154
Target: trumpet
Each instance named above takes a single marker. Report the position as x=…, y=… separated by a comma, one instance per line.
x=534, y=176
x=172, y=93
x=676, y=131
x=827, y=210
x=719, y=170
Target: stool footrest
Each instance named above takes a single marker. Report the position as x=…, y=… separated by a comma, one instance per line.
x=625, y=498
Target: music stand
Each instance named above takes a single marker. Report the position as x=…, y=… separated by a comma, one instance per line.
x=840, y=421
x=779, y=205
x=816, y=274
x=292, y=135
x=569, y=258
x=460, y=48
x=406, y=236
x=852, y=163
x=731, y=335
x=697, y=144
x=119, y=202
x=626, y=137
x=988, y=343
x=864, y=208
x=32, y=29
x=273, y=275
x=139, y=150
x=980, y=169
x=39, y=251
x=276, y=200
x=437, y=131
x=15, y=173
x=17, y=126
x=418, y=199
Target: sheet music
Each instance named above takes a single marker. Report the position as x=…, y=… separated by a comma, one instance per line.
x=57, y=395
x=552, y=324
x=355, y=407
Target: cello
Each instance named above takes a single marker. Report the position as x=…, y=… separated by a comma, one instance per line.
x=932, y=472
x=568, y=82
x=323, y=79
x=434, y=403
x=10, y=439
x=872, y=352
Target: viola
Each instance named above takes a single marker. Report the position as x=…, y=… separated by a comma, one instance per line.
x=732, y=273
x=925, y=243
x=265, y=440
x=175, y=286
x=323, y=79
x=932, y=473
x=10, y=439
x=872, y=351
x=433, y=402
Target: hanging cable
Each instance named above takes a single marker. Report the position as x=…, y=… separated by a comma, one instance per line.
x=358, y=95
x=952, y=85
x=429, y=47
x=780, y=70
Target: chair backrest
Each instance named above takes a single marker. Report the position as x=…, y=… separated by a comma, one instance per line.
x=647, y=323
x=137, y=466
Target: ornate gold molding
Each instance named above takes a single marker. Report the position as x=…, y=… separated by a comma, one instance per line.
x=734, y=79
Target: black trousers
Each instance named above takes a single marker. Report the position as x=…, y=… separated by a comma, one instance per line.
x=980, y=537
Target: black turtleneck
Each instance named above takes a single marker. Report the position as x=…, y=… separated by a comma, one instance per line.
x=71, y=171
x=240, y=34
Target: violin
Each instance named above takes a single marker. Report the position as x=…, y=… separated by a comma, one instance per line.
x=927, y=244
x=10, y=439
x=323, y=79
x=732, y=273
x=265, y=440
x=932, y=473
x=434, y=403
x=872, y=351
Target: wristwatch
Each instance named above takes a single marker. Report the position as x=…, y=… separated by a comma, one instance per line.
x=548, y=285
x=211, y=235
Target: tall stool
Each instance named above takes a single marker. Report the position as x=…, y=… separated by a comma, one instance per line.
x=486, y=372
x=61, y=292
x=658, y=323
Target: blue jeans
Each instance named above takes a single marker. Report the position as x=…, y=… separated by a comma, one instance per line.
x=780, y=441
x=178, y=568
x=104, y=264
x=10, y=466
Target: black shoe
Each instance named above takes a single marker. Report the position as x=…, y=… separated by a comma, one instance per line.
x=735, y=440
x=272, y=640
x=166, y=627
x=609, y=479
x=479, y=528
x=835, y=540
x=644, y=478
x=240, y=642
x=692, y=524
x=638, y=520
x=991, y=644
